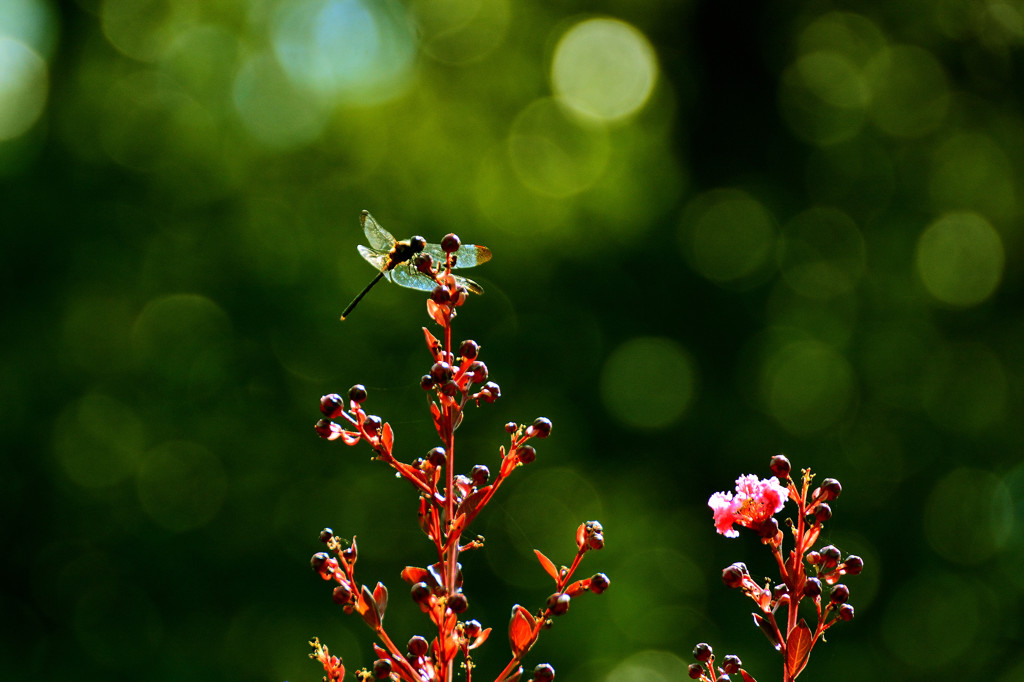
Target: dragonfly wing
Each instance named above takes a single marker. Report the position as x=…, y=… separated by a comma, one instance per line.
x=375, y=258
x=379, y=238
x=408, y=276
x=470, y=285
x=468, y=255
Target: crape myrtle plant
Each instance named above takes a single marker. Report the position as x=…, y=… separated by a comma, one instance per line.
x=448, y=503
x=809, y=579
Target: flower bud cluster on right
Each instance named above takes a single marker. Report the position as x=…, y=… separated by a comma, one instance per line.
x=805, y=573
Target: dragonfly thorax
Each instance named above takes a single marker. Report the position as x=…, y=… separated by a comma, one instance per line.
x=405, y=250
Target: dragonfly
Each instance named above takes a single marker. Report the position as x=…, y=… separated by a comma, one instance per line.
x=395, y=260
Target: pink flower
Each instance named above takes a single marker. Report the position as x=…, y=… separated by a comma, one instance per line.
x=754, y=503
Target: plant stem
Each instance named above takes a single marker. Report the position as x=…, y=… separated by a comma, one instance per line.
x=450, y=416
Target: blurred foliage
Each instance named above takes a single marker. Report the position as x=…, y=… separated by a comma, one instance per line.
x=720, y=230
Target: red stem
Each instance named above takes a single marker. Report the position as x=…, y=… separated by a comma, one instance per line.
x=449, y=416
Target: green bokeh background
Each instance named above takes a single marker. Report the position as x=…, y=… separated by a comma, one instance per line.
x=721, y=230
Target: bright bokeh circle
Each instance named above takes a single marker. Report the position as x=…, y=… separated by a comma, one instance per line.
x=648, y=382
x=960, y=259
x=727, y=235
x=23, y=87
x=603, y=69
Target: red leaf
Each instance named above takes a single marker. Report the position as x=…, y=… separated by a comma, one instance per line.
x=770, y=630
x=547, y=565
x=434, y=571
x=512, y=676
x=521, y=634
x=349, y=437
x=481, y=638
x=507, y=465
x=581, y=535
x=746, y=676
x=469, y=506
x=367, y=608
x=449, y=648
x=408, y=472
x=812, y=535
x=798, y=649
x=423, y=517
x=439, y=422
x=387, y=437
x=456, y=530
x=414, y=574
x=432, y=343
x=577, y=588
x=380, y=598
x=437, y=312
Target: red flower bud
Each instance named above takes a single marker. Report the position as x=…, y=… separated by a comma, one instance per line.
x=526, y=453
x=541, y=428
x=469, y=349
x=480, y=474
x=440, y=295
x=478, y=371
x=543, y=673
x=558, y=603
x=441, y=372
x=423, y=263
x=733, y=575
x=372, y=424
x=472, y=629
x=450, y=243
x=780, y=466
x=458, y=602
x=420, y=593
x=327, y=430
x=382, y=666
x=840, y=594
x=418, y=646
x=829, y=489
x=318, y=561
x=332, y=405
x=830, y=557
x=342, y=594
x=599, y=583
x=853, y=565
x=437, y=456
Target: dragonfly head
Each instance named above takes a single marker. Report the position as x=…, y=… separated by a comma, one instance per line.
x=417, y=243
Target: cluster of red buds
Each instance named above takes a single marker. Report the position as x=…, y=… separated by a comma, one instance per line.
x=449, y=501
x=805, y=573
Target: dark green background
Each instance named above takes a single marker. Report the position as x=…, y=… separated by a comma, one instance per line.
x=806, y=238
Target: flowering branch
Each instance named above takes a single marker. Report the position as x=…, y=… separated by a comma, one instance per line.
x=804, y=572
x=448, y=503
